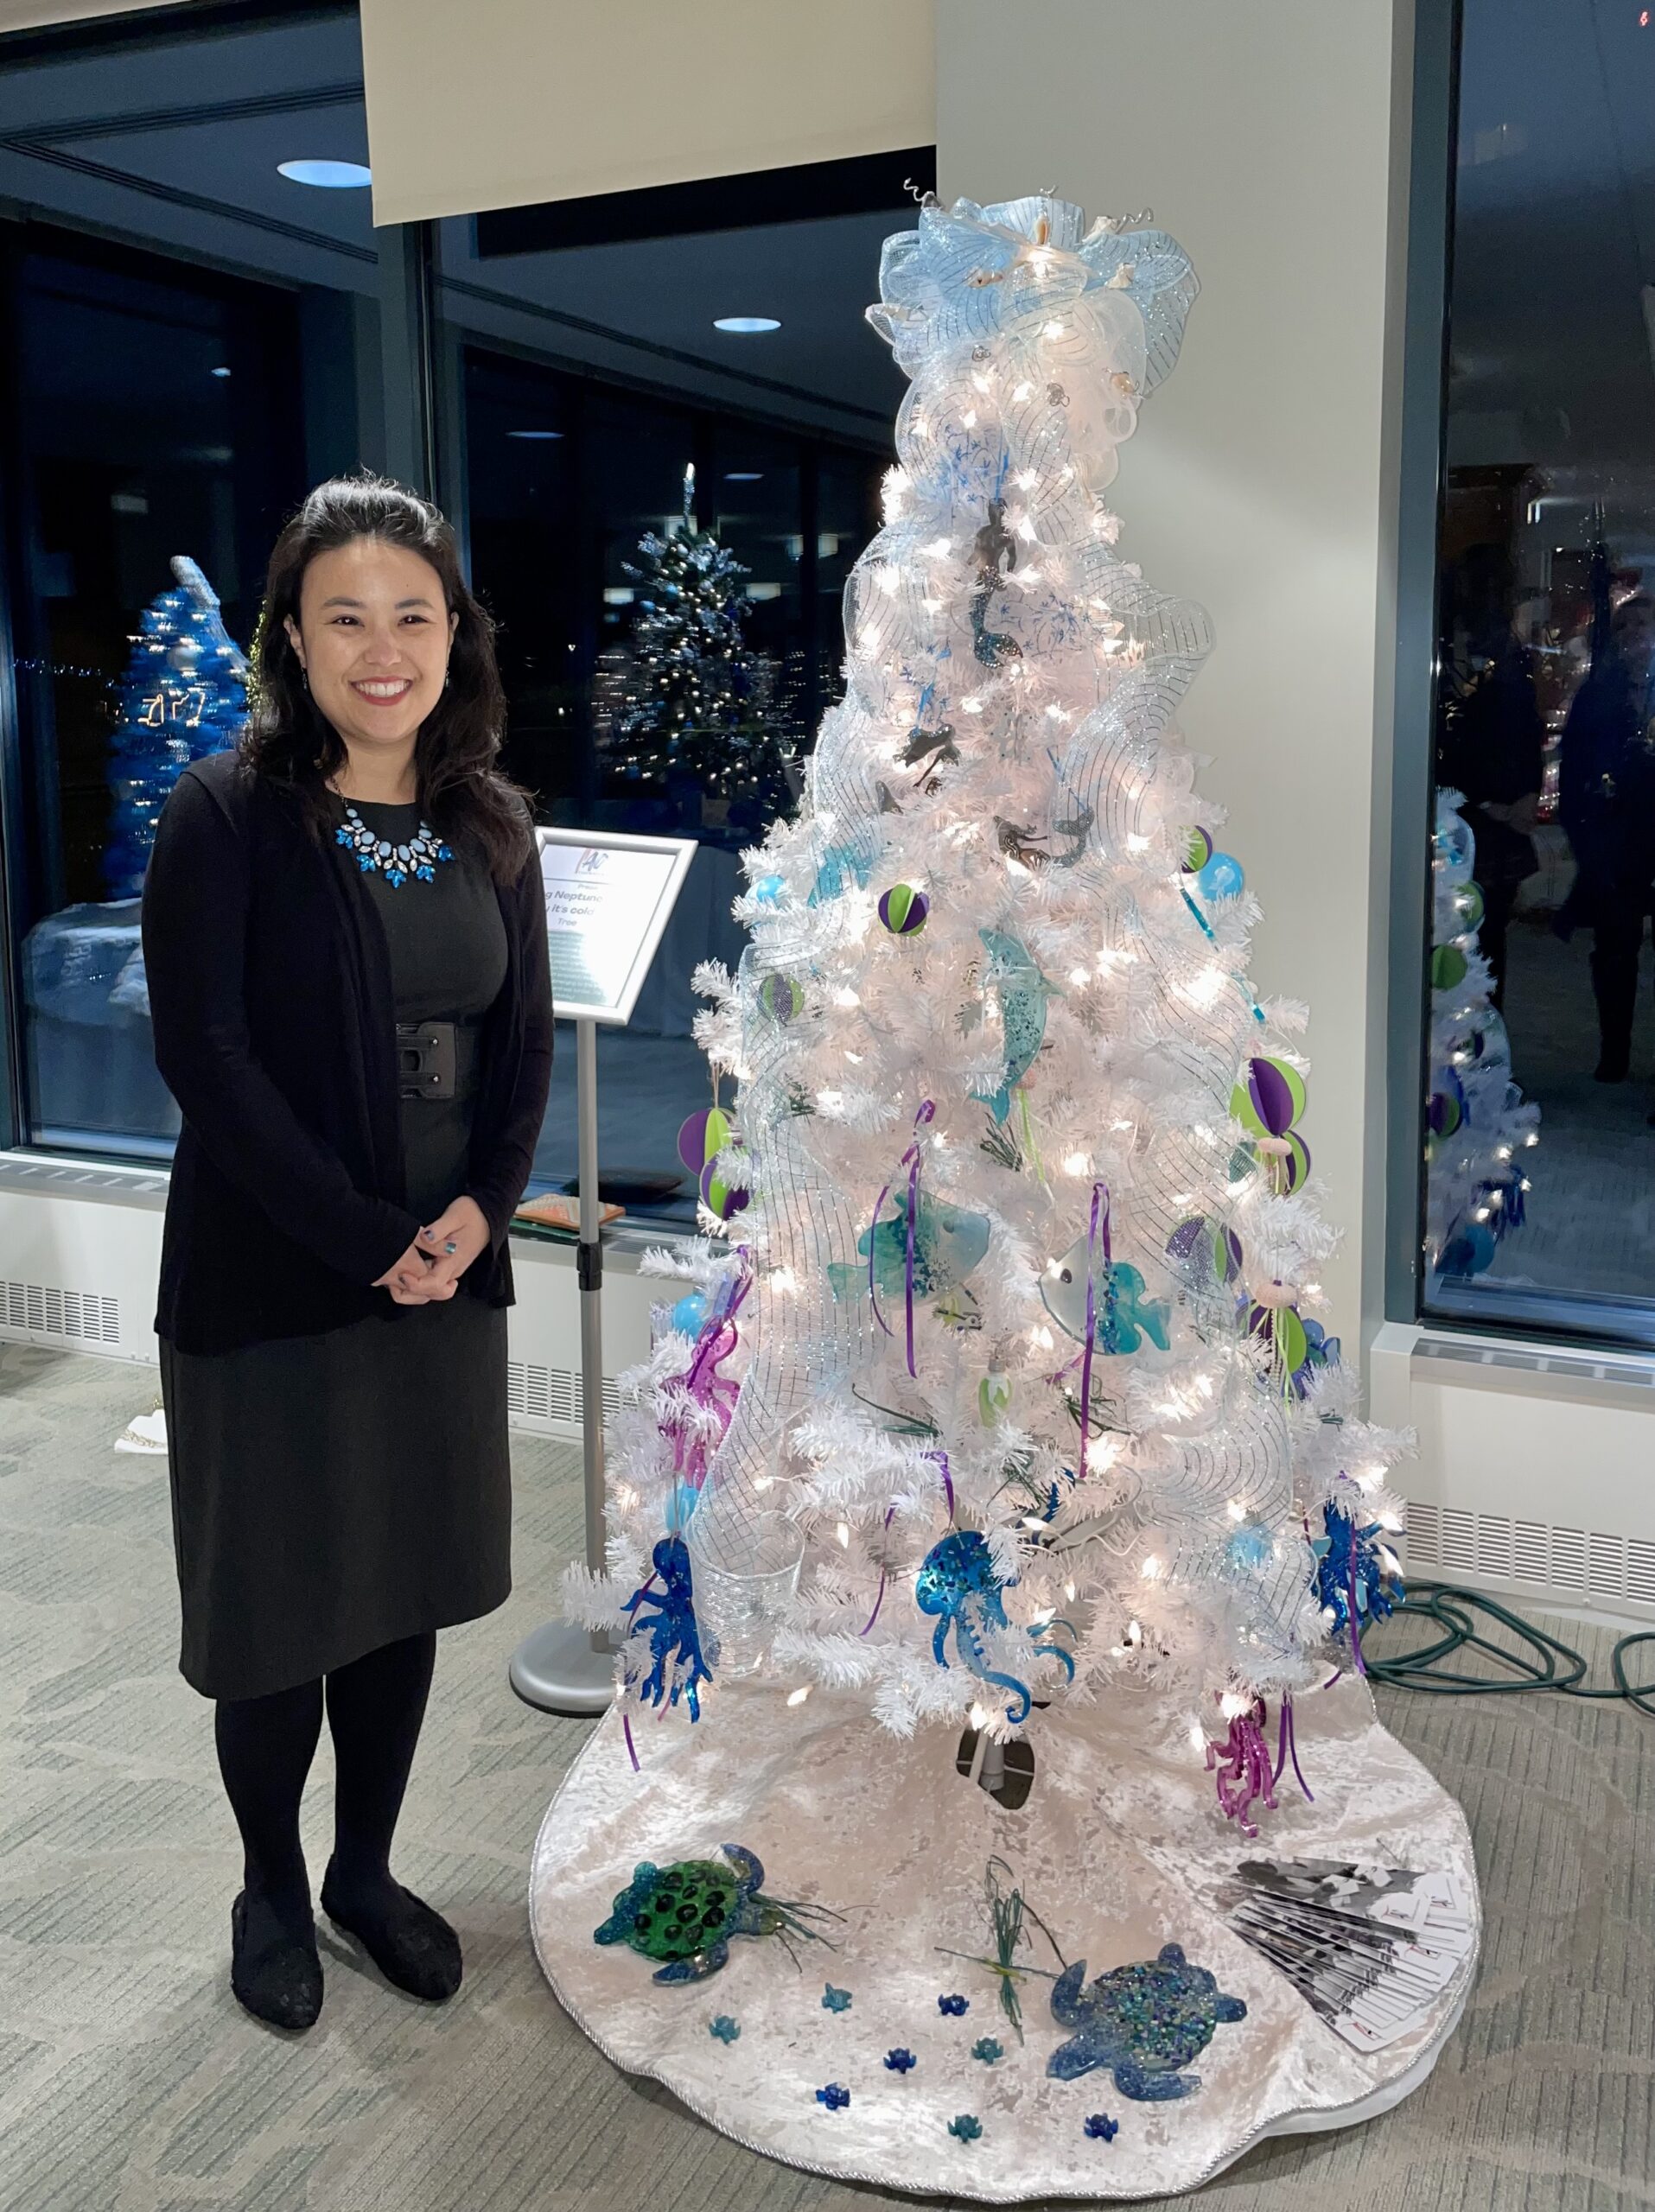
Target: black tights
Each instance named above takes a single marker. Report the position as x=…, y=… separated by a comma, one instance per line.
x=375, y=1706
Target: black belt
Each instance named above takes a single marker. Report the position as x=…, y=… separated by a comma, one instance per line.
x=436, y=1059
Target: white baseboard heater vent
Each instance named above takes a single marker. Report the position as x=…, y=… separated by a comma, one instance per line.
x=550, y=1397
x=33, y=1310
x=1581, y=1566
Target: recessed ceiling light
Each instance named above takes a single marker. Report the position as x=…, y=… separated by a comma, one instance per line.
x=745, y=326
x=331, y=176
x=534, y=433
x=743, y=476
x=220, y=371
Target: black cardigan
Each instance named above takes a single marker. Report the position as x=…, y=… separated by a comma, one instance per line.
x=275, y=1029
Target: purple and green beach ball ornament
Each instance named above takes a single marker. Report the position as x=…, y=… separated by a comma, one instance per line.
x=701, y=1139
x=781, y=998
x=704, y=1136
x=1447, y=968
x=1270, y=1097
x=903, y=910
x=1267, y=1102
x=1198, y=1241
x=723, y=1199
x=1447, y=1108
x=1198, y=851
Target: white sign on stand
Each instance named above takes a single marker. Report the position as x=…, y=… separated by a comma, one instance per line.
x=609, y=897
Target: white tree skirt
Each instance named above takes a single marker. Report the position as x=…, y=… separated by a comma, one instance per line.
x=1120, y=1848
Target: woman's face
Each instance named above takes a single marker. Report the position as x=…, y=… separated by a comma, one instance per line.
x=373, y=635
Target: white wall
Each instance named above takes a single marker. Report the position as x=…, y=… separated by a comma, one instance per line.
x=1261, y=133
x=513, y=101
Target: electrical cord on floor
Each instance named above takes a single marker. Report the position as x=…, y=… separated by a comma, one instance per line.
x=1547, y=1664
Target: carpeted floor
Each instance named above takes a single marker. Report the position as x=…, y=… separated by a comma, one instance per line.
x=130, y=2081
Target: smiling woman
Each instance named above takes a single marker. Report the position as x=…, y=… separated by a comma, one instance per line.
x=372, y=640
x=347, y=967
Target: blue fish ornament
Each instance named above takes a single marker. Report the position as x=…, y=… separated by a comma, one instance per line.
x=1123, y=1315
x=949, y=1242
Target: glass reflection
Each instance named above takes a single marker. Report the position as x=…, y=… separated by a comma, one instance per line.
x=1544, y=843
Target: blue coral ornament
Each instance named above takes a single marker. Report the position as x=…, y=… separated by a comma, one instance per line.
x=959, y=1581
x=1354, y=1578
x=677, y=1668
x=1144, y=2023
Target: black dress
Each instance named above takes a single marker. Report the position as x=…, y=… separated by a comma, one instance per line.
x=335, y=1492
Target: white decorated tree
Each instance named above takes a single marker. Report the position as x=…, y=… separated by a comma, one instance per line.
x=1018, y=1321
x=1479, y=1128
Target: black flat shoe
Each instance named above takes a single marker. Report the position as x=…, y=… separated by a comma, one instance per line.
x=413, y=1946
x=275, y=1974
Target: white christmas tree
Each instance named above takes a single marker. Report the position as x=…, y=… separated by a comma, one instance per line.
x=1479, y=1128
x=1019, y=1327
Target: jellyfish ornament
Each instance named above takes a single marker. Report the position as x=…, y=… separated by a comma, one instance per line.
x=959, y=1582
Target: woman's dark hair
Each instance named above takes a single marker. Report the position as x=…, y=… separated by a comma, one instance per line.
x=463, y=794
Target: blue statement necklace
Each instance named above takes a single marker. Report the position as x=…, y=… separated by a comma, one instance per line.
x=377, y=856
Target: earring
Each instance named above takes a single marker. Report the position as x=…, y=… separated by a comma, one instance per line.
x=447, y=675
x=304, y=675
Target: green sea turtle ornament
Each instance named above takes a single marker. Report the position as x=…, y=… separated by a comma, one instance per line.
x=686, y=1914
x=1144, y=2023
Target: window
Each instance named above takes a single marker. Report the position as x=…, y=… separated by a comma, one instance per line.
x=199, y=320
x=1541, y=990
x=190, y=338
x=576, y=445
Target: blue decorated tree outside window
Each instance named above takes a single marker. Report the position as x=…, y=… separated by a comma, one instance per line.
x=184, y=695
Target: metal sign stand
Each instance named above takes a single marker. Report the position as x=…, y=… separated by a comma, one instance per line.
x=560, y=1667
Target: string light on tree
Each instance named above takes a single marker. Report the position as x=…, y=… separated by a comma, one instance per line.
x=1014, y=1126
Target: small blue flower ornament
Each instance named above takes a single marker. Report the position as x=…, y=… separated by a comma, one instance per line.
x=899, y=2061
x=1102, y=2128
x=965, y=2127
x=833, y=2096
x=724, y=2028
x=952, y=2005
x=836, y=2000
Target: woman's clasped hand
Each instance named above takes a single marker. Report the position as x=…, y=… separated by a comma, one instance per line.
x=430, y=1268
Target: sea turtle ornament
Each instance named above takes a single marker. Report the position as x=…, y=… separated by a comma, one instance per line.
x=1144, y=2023
x=686, y=1914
